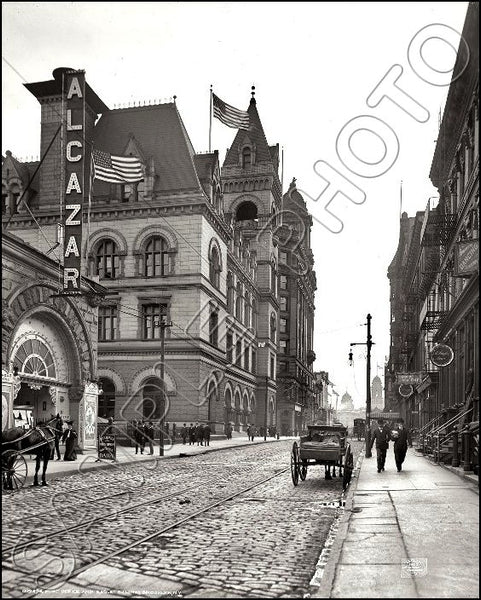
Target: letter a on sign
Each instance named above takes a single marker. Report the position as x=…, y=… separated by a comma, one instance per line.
x=74, y=89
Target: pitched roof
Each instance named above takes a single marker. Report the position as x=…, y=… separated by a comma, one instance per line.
x=161, y=134
x=255, y=134
x=205, y=164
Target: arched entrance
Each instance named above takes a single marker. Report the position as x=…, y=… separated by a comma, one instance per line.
x=153, y=402
x=237, y=411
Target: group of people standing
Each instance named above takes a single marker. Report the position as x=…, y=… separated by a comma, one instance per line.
x=143, y=435
x=382, y=435
x=199, y=433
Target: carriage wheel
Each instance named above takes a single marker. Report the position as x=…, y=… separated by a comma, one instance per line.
x=295, y=464
x=348, y=466
x=303, y=470
x=14, y=471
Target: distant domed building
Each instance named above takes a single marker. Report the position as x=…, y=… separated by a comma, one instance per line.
x=346, y=402
x=377, y=400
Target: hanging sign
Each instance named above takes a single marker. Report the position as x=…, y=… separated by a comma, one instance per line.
x=75, y=177
x=442, y=355
x=409, y=378
x=466, y=258
x=406, y=390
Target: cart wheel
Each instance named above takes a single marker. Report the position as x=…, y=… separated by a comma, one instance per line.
x=14, y=471
x=295, y=464
x=348, y=467
x=303, y=470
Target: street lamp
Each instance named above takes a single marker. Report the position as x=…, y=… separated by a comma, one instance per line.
x=368, y=343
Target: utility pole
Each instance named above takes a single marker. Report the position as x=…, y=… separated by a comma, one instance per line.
x=368, y=388
x=265, y=408
x=163, y=324
x=369, y=343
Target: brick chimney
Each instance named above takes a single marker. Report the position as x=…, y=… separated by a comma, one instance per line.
x=49, y=95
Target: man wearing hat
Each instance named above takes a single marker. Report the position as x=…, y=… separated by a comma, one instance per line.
x=69, y=436
x=58, y=428
x=400, y=436
x=381, y=436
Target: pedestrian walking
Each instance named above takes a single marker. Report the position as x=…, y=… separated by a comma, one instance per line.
x=68, y=438
x=400, y=437
x=252, y=432
x=381, y=436
x=58, y=428
x=149, y=435
x=183, y=433
x=207, y=432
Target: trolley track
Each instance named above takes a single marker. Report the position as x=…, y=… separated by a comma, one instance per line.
x=52, y=582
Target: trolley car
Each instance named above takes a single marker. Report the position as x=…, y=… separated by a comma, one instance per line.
x=323, y=445
x=359, y=428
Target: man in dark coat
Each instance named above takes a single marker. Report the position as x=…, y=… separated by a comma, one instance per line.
x=199, y=432
x=58, y=427
x=149, y=435
x=381, y=436
x=191, y=434
x=207, y=431
x=400, y=437
x=139, y=435
x=183, y=433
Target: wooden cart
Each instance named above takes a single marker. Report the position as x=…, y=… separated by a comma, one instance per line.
x=323, y=445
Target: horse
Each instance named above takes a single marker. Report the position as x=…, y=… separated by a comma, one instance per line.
x=39, y=441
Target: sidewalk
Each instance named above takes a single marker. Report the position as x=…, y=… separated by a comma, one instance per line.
x=413, y=534
x=126, y=455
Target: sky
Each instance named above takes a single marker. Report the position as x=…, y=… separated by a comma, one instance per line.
x=314, y=66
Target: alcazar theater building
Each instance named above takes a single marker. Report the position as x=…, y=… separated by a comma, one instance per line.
x=206, y=265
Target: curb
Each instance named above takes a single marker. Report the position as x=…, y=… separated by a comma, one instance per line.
x=81, y=469
x=323, y=590
x=466, y=475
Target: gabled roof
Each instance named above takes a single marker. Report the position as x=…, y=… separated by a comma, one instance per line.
x=205, y=164
x=255, y=134
x=161, y=134
x=24, y=171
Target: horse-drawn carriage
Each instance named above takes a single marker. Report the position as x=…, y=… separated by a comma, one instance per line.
x=323, y=445
x=16, y=442
x=359, y=428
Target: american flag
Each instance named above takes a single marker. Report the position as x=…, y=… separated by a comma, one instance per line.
x=230, y=116
x=116, y=169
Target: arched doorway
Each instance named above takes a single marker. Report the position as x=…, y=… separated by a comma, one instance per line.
x=227, y=406
x=211, y=400
x=153, y=403
x=237, y=411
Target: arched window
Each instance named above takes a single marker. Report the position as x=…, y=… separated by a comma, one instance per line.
x=230, y=293
x=214, y=267
x=14, y=195
x=238, y=302
x=273, y=328
x=156, y=257
x=273, y=276
x=247, y=310
x=107, y=260
x=254, y=314
x=106, y=398
x=34, y=358
x=246, y=157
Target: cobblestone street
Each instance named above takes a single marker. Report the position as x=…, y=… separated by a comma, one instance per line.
x=229, y=523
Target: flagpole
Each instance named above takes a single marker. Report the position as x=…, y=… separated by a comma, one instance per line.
x=89, y=206
x=210, y=119
x=401, y=200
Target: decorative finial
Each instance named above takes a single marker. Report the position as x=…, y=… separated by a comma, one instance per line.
x=253, y=92
x=175, y=98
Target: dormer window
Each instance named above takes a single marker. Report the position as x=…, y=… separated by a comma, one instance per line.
x=246, y=157
x=127, y=193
